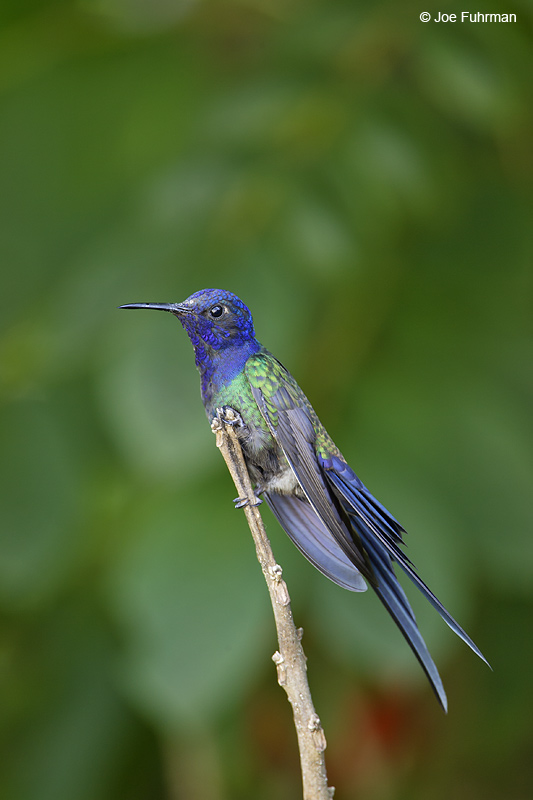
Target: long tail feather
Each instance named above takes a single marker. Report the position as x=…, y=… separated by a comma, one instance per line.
x=374, y=531
x=394, y=599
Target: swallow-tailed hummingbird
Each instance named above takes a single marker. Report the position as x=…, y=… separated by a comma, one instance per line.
x=318, y=499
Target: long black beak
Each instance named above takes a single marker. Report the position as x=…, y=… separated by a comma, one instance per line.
x=174, y=308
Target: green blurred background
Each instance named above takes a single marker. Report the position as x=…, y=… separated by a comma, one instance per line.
x=363, y=181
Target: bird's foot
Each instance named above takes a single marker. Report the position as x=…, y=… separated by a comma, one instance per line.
x=229, y=416
x=241, y=502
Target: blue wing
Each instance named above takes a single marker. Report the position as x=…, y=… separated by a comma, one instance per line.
x=344, y=531
x=299, y=520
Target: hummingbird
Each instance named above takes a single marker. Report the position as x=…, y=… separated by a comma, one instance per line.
x=322, y=505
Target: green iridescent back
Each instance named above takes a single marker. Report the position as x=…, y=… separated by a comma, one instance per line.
x=281, y=393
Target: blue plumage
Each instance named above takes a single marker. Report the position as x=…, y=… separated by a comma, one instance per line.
x=318, y=499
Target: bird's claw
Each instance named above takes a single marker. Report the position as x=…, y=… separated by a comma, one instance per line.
x=241, y=502
x=229, y=416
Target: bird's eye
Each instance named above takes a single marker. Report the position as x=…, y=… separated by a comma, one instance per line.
x=216, y=311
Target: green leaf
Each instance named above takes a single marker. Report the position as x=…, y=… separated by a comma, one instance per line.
x=40, y=487
x=193, y=608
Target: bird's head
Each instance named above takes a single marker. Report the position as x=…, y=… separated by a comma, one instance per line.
x=214, y=319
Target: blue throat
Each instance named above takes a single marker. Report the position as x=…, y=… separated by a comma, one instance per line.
x=219, y=358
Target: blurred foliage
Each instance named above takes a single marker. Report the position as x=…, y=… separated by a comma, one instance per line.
x=363, y=180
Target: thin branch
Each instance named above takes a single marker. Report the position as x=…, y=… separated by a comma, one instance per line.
x=290, y=659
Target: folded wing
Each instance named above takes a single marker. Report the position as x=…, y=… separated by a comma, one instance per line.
x=342, y=529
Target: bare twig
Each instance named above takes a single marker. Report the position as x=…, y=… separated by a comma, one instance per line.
x=290, y=659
